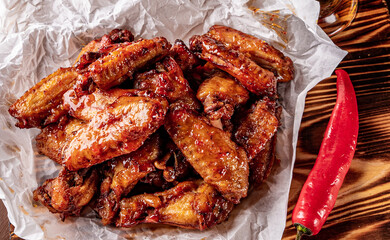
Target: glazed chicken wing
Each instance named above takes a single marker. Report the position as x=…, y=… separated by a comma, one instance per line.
x=260, y=166
x=190, y=204
x=186, y=59
x=168, y=81
x=257, y=128
x=258, y=50
x=123, y=173
x=108, y=71
x=218, y=160
x=253, y=77
x=53, y=137
x=42, y=104
x=117, y=122
x=220, y=94
x=115, y=36
x=68, y=193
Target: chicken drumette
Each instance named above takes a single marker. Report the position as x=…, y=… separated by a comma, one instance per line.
x=190, y=204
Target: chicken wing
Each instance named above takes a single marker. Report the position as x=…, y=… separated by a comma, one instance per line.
x=190, y=204
x=260, y=166
x=123, y=173
x=53, y=137
x=253, y=77
x=186, y=59
x=257, y=128
x=167, y=81
x=258, y=50
x=108, y=71
x=115, y=36
x=118, y=122
x=42, y=104
x=218, y=160
x=68, y=193
x=220, y=94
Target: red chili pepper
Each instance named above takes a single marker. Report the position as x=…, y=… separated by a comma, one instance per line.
x=319, y=192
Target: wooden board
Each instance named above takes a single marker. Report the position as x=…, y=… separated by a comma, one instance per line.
x=362, y=210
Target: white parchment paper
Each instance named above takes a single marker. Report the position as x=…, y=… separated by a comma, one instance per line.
x=37, y=37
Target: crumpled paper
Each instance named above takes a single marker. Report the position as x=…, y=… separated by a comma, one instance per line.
x=37, y=37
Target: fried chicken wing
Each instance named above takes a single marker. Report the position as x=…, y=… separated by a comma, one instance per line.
x=53, y=137
x=260, y=166
x=118, y=122
x=220, y=94
x=259, y=51
x=218, y=160
x=42, y=104
x=108, y=71
x=123, y=173
x=168, y=81
x=257, y=128
x=115, y=36
x=190, y=204
x=253, y=77
x=186, y=59
x=68, y=193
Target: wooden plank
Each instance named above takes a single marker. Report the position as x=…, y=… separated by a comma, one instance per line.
x=362, y=210
x=4, y=223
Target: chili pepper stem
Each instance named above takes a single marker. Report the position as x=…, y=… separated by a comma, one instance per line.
x=301, y=230
x=299, y=235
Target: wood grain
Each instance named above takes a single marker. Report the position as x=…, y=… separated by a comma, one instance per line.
x=4, y=225
x=362, y=210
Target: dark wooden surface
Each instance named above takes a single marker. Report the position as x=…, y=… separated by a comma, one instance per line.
x=362, y=210
x=4, y=224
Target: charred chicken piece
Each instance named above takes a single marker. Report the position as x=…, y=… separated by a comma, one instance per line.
x=253, y=77
x=218, y=160
x=42, y=104
x=68, y=193
x=118, y=122
x=186, y=59
x=258, y=50
x=108, y=71
x=54, y=137
x=190, y=204
x=168, y=81
x=257, y=127
x=123, y=173
x=220, y=94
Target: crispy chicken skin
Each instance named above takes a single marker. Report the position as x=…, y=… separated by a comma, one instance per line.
x=253, y=77
x=68, y=193
x=258, y=50
x=190, y=204
x=257, y=127
x=123, y=173
x=218, y=160
x=38, y=106
x=220, y=94
x=168, y=81
x=115, y=36
x=53, y=137
x=186, y=59
x=108, y=71
x=118, y=122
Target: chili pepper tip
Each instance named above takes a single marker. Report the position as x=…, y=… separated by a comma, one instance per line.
x=301, y=230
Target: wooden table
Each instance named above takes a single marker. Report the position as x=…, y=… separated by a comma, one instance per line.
x=362, y=210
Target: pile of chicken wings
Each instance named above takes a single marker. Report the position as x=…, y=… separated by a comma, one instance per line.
x=150, y=132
